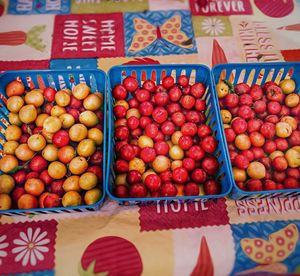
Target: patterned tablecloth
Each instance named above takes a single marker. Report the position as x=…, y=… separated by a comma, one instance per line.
x=210, y=238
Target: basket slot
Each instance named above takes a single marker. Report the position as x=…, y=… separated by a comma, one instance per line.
x=222, y=75
x=93, y=83
x=193, y=77
x=242, y=76
x=260, y=77
x=232, y=75
x=153, y=76
x=206, y=96
x=288, y=73
x=279, y=75
x=269, y=76
x=251, y=78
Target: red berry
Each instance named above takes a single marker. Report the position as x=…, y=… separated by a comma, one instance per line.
x=159, y=115
x=121, y=166
x=270, y=185
x=198, y=90
x=168, y=82
x=210, y=165
x=189, y=164
x=49, y=94
x=185, y=142
x=178, y=118
x=254, y=185
x=189, y=129
x=204, y=130
x=168, y=128
x=211, y=187
x=209, y=144
x=291, y=183
x=199, y=176
x=138, y=190
x=188, y=101
x=144, y=121
x=196, y=153
x=133, y=122
x=168, y=190
x=239, y=125
x=121, y=191
x=183, y=80
x=130, y=83
x=175, y=94
x=166, y=176
x=127, y=152
x=146, y=108
x=161, y=99
x=161, y=148
x=148, y=154
x=241, y=162
x=149, y=85
x=151, y=130
x=133, y=177
x=256, y=92
x=180, y=175
x=119, y=92
x=231, y=100
x=200, y=105
x=142, y=95
x=119, y=111
x=242, y=88
x=152, y=182
x=191, y=189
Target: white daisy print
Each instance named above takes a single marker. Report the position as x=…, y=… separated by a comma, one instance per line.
x=3, y=246
x=30, y=247
x=213, y=26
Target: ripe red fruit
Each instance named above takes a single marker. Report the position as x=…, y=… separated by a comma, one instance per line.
x=259, y=106
x=245, y=112
x=159, y=115
x=178, y=118
x=258, y=152
x=175, y=94
x=242, y=88
x=147, y=154
x=257, y=139
x=27, y=128
x=294, y=138
x=151, y=130
x=234, y=111
x=119, y=92
x=49, y=94
x=161, y=148
x=168, y=82
x=166, y=176
x=45, y=177
x=146, y=108
x=274, y=93
x=212, y=187
x=32, y=175
x=173, y=107
x=268, y=130
x=193, y=117
x=130, y=83
x=149, y=85
x=51, y=201
x=121, y=191
x=229, y=134
x=17, y=193
x=168, y=190
x=96, y=158
x=270, y=185
x=273, y=108
x=291, y=183
x=120, y=144
x=295, y=111
x=38, y=164
x=209, y=144
x=188, y=101
x=267, y=84
x=189, y=129
x=189, y=164
x=185, y=142
x=241, y=161
x=266, y=161
x=119, y=111
x=161, y=99
x=232, y=155
x=133, y=103
x=281, y=144
x=246, y=99
x=279, y=176
x=127, y=152
x=24, y=138
x=133, y=177
x=280, y=163
x=293, y=172
x=20, y=177
x=121, y=166
x=57, y=187
x=254, y=185
x=144, y=121
x=122, y=133
x=272, y=119
x=191, y=189
x=239, y=125
x=199, y=176
x=248, y=154
x=186, y=90
x=198, y=90
x=196, y=153
x=285, y=111
x=75, y=103
x=37, y=130
x=204, y=130
x=97, y=171
x=183, y=80
x=142, y=95
x=133, y=122
x=75, y=113
x=254, y=125
x=200, y=105
x=61, y=138
x=269, y=146
x=152, y=182
x=180, y=175
x=138, y=190
x=210, y=165
x=231, y=100
x=256, y=92
x=168, y=128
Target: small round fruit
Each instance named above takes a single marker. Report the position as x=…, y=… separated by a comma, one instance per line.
x=290, y=120
x=61, y=138
x=66, y=154
x=24, y=153
x=50, y=153
x=256, y=170
x=130, y=83
x=40, y=119
x=81, y=91
x=161, y=164
x=176, y=164
x=67, y=120
x=34, y=186
x=279, y=163
x=92, y=196
x=148, y=154
x=71, y=198
x=88, y=118
x=152, y=182
x=293, y=157
x=145, y=141
x=176, y=153
x=88, y=181
x=5, y=202
x=62, y=98
x=10, y=147
x=13, y=133
x=52, y=124
x=92, y=102
x=287, y=86
x=137, y=164
x=57, y=111
x=275, y=154
x=28, y=114
x=14, y=103
x=226, y=116
x=78, y=165
x=175, y=137
x=7, y=183
x=222, y=89
x=14, y=119
x=35, y=98
x=86, y=148
x=242, y=142
x=283, y=129
x=239, y=174
x=292, y=100
x=36, y=142
x=180, y=175
x=27, y=201
x=78, y=132
x=133, y=112
x=14, y=88
x=96, y=135
x=72, y=184
x=57, y=170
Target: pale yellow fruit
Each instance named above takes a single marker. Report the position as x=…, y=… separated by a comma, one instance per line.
x=36, y=142
x=88, y=118
x=293, y=157
x=35, y=98
x=290, y=120
x=96, y=135
x=226, y=116
x=88, y=181
x=256, y=170
x=92, y=102
x=137, y=164
x=24, y=153
x=5, y=202
x=121, y=179
x=10, y=147
x=176, y=152
x=175, y=137
x=7, y=183
x=14, y=103
x=239, y=174
x=145, y=141
x=71, y=198
x=14, y=119
x=81, y=91
x=176, y=164
x=86, y=148
x=78, y=165
x=78, y=132
x=57, y=111
x=283, y=129
x=72, y=184
x=222, y=89
x=92, y=196
x=40, y=119
x=50, y=153
x=8, y=163
x=133, y=112
x=161, y=164
x=28, y=114
x=287, y=86
x=13, y=133
x=62, y=98
x=275, y=154
x=57, y=170
x=67, y=120
x=52, y=124
x=292, y=100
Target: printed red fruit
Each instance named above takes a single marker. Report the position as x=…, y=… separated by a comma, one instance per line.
x=210, y=165
x=45, y=177
x=231, y=100
x=149, y=85
x=178, y=118
x=246, y=99
x=175, y=94
x=168, y=190
x=168, y=82
x=121, y=191
x=254, y=185
x=196, y=153
x=239, y=126
x=242, y=88
x=270, y=185
x=121, y=166
x=180, y=175
x=168, y=128
x=119, y=111
x=127, y=152
x=269, y=146
x=122, y=133
x=159, y=115
x=133, y=177
x=183, y=80
x=273, y=108
x=161, y=148
x=148, y=154
x=49, y=94
x=212, y=187
x=161, y=99
x=189, y=164
x=229, y=134
x=200, y=105
x=133, y=122
x=152, y=182
x=291, y=183
x=274, y=93
x=199, y=176
x=191, y=189
x=268, y=130
x=256, y=92
x=61, y=138
x=138, y=190
x=209, y=144
x=38, y=164
x=280, y=163
x=241, y=162
x=185, y=142
x=189, y=129
x=119, y=92
x=130, y=83
x=20, y=177
x=188, y=101
x=259, y=106
x=198, y=90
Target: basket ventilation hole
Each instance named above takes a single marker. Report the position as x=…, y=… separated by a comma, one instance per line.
x=242, y=76
x=270, y=75
x=260, y=76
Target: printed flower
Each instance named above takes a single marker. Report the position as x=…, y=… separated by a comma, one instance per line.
x=3, y=245
x=213, y=26
x=31, y=246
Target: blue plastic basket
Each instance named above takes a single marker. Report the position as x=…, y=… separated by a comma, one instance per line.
x=196, y=73
x=252, y=73
x=57, y=79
